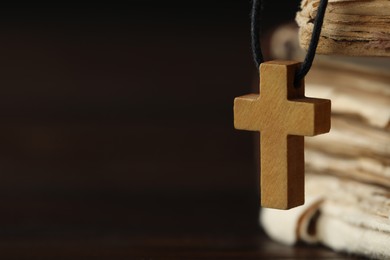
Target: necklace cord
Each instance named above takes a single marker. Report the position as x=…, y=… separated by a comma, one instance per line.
x=257, y=7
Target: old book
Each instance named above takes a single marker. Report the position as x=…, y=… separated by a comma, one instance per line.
x=342, y=214
x=351, y=27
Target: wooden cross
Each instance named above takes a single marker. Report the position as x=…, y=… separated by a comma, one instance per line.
x=283, y=115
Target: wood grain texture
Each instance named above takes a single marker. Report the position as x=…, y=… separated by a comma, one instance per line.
x=283, y=115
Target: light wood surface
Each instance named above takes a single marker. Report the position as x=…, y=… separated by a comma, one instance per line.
x=283, y=115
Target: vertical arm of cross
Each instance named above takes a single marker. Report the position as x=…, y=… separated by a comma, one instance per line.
x=282, y=154
x=282, y=170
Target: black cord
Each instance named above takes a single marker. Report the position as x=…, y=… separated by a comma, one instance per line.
x=308, y=61
x=255, y=33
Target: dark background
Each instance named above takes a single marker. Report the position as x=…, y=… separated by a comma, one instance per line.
x=117, y=134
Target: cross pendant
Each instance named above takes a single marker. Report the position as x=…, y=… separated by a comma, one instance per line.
x=283, y=115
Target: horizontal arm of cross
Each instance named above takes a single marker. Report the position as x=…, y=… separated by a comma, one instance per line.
x=309, y=116
x=246, y=116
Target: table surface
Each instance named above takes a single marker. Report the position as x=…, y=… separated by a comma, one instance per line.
x=157, y=227
x=161, y=247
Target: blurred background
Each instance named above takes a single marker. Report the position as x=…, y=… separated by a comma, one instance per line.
x=116, y=120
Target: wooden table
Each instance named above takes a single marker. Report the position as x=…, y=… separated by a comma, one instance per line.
x=126, y=227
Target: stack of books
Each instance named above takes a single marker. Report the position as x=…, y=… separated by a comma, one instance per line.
x=348, y=170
